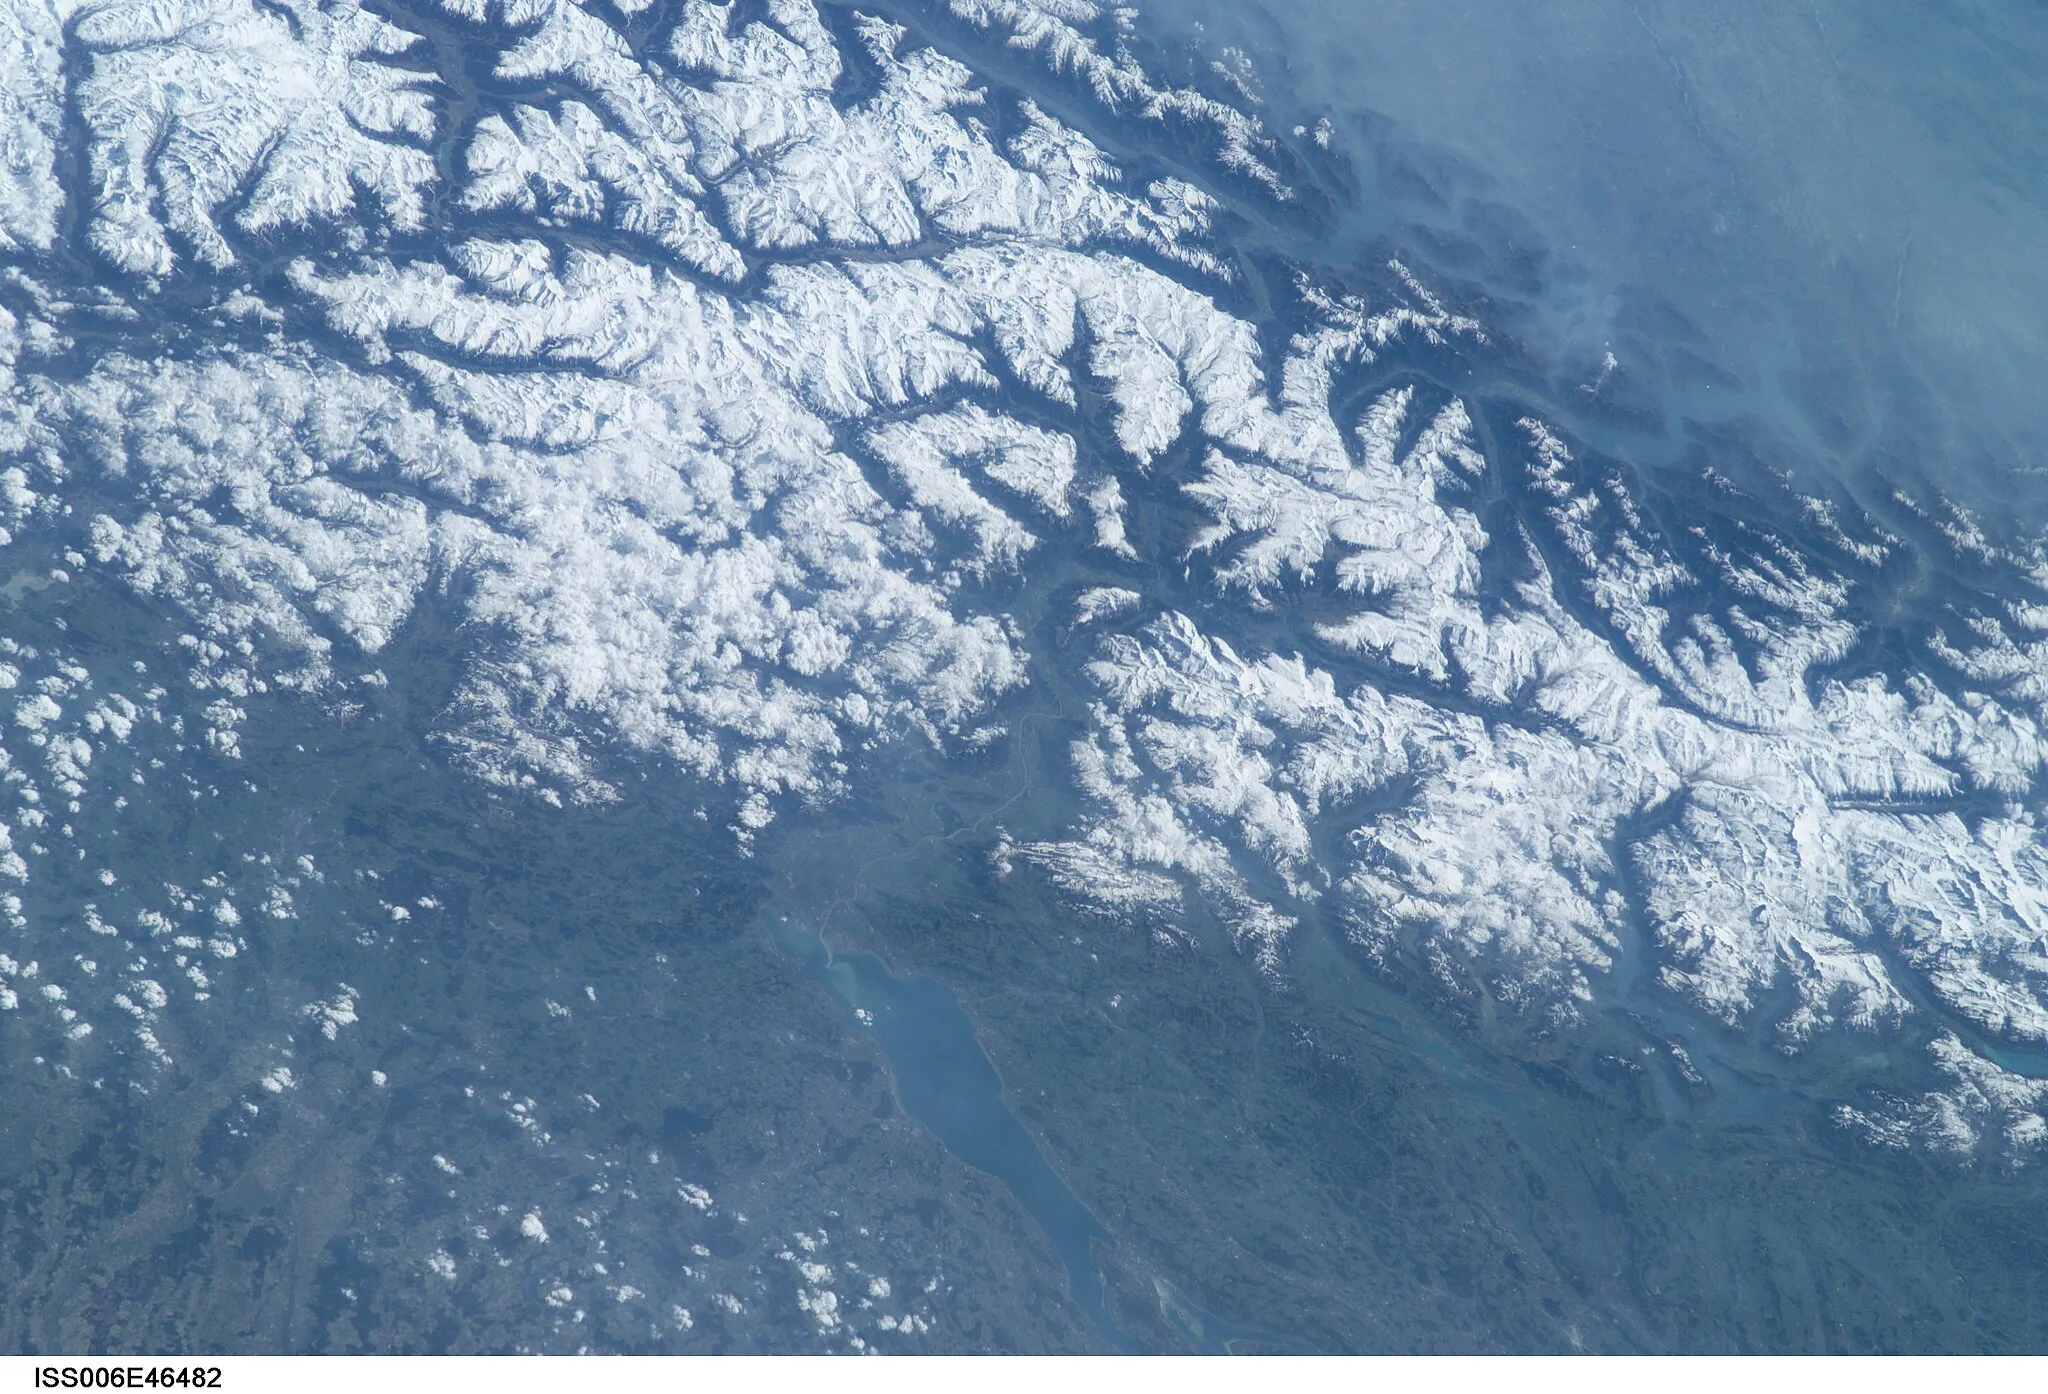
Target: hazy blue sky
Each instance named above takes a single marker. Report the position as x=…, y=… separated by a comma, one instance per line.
x=1844, y=197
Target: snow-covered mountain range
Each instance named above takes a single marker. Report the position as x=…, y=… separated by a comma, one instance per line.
x=729, y=372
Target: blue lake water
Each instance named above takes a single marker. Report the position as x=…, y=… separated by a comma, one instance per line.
x=945, y=1081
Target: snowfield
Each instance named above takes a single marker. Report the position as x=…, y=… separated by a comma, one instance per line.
x=724, y=372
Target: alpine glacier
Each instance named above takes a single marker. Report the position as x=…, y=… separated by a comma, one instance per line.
x=735, y=385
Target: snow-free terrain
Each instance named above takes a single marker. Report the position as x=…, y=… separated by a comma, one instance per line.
x=733, y=383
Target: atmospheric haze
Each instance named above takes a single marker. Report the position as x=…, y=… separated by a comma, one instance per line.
x=1828, y=221
x=926, y=675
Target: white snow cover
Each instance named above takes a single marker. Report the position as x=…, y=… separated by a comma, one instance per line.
x=289, y=111
x=718, y=407
x=630, y=476
x=1762, y=849
x=1984, y=1099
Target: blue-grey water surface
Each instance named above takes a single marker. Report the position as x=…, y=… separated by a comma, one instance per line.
x=944, y=1080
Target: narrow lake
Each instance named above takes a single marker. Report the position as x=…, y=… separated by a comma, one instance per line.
x=945, y=1081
